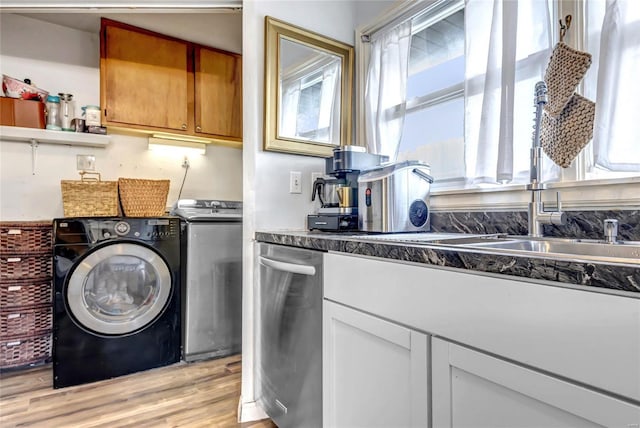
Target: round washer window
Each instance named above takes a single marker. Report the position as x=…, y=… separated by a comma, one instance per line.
x=118, y=289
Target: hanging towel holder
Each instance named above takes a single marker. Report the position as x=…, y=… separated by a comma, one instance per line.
x=564, y=26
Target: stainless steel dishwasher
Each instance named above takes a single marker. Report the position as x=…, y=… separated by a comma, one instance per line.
x=212, y=283
x=289, y=335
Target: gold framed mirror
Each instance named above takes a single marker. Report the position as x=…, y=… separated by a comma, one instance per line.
x=308, y=85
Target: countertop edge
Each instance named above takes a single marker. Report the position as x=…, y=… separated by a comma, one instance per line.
x=592, y=276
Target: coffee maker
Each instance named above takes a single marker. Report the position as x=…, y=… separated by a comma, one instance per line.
x=338, y=191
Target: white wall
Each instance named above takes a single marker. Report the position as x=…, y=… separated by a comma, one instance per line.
x=267, y=202
x=61, y=59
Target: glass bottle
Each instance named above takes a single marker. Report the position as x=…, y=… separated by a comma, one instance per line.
x=53, y=113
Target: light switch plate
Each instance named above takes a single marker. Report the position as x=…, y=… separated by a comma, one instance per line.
x=295, y=182
x=85, y=162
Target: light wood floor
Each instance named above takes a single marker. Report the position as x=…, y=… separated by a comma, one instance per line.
x=202, y=394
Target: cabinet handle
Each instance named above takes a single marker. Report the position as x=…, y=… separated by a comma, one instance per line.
x=184, y=126
x=198, y=128
x=287, y=267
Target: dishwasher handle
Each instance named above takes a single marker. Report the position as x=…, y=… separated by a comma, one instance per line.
x=287, y=267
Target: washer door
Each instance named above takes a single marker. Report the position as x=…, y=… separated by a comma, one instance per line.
x=118, y=289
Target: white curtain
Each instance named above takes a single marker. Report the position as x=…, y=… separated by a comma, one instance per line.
x=385, y=92
x=330, y=102
x=289, y=114
x=507, y=49
x=616, y=131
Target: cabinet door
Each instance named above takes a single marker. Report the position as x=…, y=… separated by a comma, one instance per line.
x=473, y=389
x=375, y=372
x=218, y=93
x=145, y=79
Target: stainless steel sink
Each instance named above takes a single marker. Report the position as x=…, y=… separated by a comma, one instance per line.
x=621, y=252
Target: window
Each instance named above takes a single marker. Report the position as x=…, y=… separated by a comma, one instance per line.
x=435, y=95
x=309, y=109
x=611, y=81
x=444, y=111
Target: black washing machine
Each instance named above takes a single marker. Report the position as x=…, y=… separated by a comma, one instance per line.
x=117, y=297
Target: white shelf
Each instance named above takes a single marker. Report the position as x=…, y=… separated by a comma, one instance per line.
x=42, y=136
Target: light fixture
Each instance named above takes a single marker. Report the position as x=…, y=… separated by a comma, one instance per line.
x=175, y=146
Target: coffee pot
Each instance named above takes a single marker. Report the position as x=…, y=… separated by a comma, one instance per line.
x=326, y=190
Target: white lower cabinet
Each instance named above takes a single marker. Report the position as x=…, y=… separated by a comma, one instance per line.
x=474, y=389
x=375, y=372
x=497, y=352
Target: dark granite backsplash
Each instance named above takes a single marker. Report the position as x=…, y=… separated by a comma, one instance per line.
x=580, y=224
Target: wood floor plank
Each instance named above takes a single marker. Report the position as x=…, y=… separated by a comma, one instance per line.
x=192, y=395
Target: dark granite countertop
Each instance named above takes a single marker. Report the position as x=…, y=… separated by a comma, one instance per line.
x=605, y=277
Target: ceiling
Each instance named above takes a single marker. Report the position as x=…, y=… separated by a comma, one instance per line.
x=189, y=25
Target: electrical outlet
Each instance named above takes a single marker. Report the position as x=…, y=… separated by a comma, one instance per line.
x=85, y=162
x=295, y=182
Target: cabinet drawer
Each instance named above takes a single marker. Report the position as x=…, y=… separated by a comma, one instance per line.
x=23, y=351
x=26, y=322
x=22, y=238
x=25, y=294
x=22, y=266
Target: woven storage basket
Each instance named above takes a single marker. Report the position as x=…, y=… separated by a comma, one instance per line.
x=25, y=294
x=25, y=266
x=26, y=322
x=28, y=350
x=143, y=198
x=24, y=237
x=89, y=197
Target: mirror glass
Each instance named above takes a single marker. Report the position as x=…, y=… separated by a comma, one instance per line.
x=307, y=91
x=309, y=95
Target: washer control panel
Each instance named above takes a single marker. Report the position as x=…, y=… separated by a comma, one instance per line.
x=90, y=230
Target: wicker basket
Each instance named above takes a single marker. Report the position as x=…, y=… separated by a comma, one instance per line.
x=25, y=237
x=143, y=198
x=25, y=266
x=89, y=197
x=28, y=350
x=25, y=294
x=26, y=322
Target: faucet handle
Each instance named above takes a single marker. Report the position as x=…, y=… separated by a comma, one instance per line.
x=611, y=230
x=557, y=217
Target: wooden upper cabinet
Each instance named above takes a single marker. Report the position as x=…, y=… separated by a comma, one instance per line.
x=145, y=78
x=218, y=92
x=155, y=83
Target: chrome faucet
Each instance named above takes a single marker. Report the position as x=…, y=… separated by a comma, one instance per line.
x=537, y=215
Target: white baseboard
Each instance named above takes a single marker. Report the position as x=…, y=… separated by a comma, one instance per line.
x=250, y=411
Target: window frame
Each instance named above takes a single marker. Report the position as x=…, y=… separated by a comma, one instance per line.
x=578, y=192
